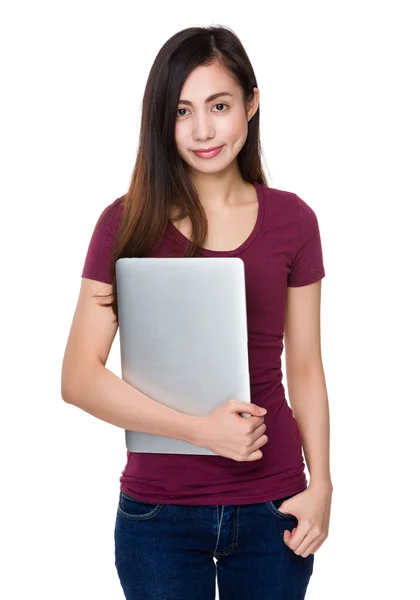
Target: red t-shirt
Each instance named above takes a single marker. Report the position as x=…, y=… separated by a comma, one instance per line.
x=284, y=249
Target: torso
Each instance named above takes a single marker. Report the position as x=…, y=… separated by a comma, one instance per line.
x=227, y=231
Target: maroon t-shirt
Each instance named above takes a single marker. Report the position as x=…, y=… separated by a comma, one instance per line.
x=284, y=249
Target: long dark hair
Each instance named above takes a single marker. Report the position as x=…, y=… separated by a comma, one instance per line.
x=159, y=182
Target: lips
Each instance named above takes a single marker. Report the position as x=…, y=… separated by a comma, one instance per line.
x=207, y=149
x=209, y=153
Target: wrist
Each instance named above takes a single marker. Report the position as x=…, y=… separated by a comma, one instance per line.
x=195, y=430
x=324, y=484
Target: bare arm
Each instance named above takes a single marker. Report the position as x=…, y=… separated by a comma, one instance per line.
x=89, y=385
x=306, y=380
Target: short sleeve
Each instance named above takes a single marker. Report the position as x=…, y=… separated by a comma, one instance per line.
x=98, y=262
x=307, y=262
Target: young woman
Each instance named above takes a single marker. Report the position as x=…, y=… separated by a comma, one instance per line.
x=246, y=516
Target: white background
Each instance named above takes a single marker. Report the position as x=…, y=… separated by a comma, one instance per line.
x=340, y=99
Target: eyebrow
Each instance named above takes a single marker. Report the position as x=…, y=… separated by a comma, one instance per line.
x=209, y=99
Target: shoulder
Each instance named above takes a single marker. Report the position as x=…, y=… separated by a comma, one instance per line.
x=98, y=260
x=110, y=216
x=283, y=203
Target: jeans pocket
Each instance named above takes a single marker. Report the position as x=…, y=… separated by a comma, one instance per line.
x=136, y=510
x=273, y=505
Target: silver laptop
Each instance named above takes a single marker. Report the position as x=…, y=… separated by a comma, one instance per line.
x=183, y=338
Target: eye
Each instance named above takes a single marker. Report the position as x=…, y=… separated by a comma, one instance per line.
x=218, y=104
x=221, y=104
x=181, y=109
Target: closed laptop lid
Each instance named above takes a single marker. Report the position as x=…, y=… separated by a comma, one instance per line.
x=183, y=337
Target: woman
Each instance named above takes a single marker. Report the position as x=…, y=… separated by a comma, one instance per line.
x=247, y=515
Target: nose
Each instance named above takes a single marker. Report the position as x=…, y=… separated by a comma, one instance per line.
x=203, y=127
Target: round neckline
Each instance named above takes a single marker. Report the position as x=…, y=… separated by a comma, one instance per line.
x=180, y=237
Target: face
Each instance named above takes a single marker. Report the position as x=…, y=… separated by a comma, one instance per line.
x=220, y=121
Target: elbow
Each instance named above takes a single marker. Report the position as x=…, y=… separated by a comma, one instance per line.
x=67, y=394
x=77, y=382
x=65, y=384
x=70, y=387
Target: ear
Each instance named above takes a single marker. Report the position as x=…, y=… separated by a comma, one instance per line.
x=253, y=104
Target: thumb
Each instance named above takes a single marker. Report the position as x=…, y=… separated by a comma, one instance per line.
x=288, y=534
x=249, y=408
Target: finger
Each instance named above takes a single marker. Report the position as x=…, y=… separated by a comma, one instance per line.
x=311, y=550
x=296, y=539
x=308, y=546
x=316, y=545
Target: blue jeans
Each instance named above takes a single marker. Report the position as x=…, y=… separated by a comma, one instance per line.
x=167, y=552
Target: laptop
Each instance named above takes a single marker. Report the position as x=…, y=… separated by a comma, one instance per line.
x=183, y=338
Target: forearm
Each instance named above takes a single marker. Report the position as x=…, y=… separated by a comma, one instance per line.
x=106, y=396
x=309, y=402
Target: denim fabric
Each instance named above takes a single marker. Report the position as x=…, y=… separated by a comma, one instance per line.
x=177, y=552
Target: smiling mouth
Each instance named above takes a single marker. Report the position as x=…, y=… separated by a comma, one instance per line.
x=209, y=153
x=207, y=149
